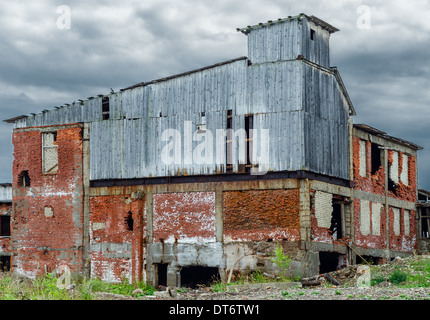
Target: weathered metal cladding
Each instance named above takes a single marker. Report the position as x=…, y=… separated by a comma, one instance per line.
x=325, y=123
x=214, y=89
x=287, y=40
x=6, y=193
x=317, y=49
x=275, y=42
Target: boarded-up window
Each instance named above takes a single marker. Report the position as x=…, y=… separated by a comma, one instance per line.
x=376, y=218
x=407, y=222
x=50, y=153
x=365, y=217
x=396, y=212
x=404, y=175
x=363, y=164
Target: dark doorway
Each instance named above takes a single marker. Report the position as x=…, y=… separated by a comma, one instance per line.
x=336, y=221
x=196, y=275
x=4, y=263
x=329, y=261
x=162, y=274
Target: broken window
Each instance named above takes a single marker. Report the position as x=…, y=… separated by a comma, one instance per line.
x=249, y=126
x=228, y=144
x=5, y=263
x=4, y=226
x=425, y=222
x=105, y=108
x=129, y=221
x=49, y=153
x=376, y=158
x=24, y=179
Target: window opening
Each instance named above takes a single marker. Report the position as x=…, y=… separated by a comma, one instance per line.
x=228, y=144
x=249, y=126
x=105, y=108
x=336, y=221
x=24, y=179
x=376, y=158
x=5, y=263
x=4, y=226
x=312, y=34
x=391, y=183
x=50, y=153
x=425, y=223
x=129, y=221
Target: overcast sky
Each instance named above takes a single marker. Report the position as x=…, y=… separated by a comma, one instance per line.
x=382, y=52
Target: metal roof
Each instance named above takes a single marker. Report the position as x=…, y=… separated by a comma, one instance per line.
x=382, y=134
x=317, y=21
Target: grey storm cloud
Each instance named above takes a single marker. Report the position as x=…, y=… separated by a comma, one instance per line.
x=112, y=44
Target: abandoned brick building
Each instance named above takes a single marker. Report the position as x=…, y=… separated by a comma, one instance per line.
x=127, y=185
x=5, y=213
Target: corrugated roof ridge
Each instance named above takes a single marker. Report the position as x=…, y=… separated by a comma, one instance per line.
x=312, y=18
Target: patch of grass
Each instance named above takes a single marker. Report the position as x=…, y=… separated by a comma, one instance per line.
x=45, y=288
x=377, y=279
x=398, y=276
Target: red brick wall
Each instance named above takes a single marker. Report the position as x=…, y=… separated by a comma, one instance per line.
x=39, y=241
x=262, y=215
x=371, y=183
x=403, y=242
x=376, y=183
x=109, y=231
x=405, y=192
x=370, y=240
x=184, y=217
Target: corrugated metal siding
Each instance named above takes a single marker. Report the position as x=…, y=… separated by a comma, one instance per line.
x=288, y=40
x=317, y=50
x=280, y=41
x=325, y=124
x=5, y=193
x=300, y=104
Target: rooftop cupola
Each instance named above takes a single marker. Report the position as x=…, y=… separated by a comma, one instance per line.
x=290, y=38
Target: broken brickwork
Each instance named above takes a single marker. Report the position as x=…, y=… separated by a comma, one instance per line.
x=47, y=219
x=116, y=235
x=384, y=207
